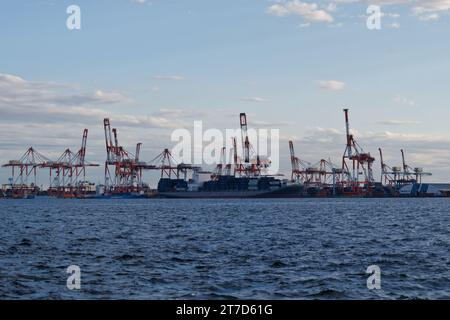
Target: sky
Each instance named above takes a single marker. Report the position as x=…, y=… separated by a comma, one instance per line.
x=155, y=66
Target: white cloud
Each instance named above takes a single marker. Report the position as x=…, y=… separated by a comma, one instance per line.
x=403, y=100
x=165, y=77
x=177, y=113
x=253, y=99
x=109, y=97
x=333, y=85
x=425, y=10
x=269, y=124
x=393, y=15
x=424, y=6
x=6, y=79
x=304, y=25
x=278, y=10
x=331, y=7
x=19, y=92
x=47, y=102
x=394, y=25
x=429, y=17
x=308, y=11
x=398, y=122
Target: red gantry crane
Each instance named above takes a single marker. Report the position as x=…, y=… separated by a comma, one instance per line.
x=357, y=171
x=68, y=173
x=123, y=170
x=296, y=173
x=320, y=178
x=167, y=164
x=239, y=168
x=248, y=167
x=23, y=181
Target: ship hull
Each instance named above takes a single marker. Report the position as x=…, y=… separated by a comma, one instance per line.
x=117, y=196
x=283, y=192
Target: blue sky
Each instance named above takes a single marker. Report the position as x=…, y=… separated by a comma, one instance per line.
x=153, y=66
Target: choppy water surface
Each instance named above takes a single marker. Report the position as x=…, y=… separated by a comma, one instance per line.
x=213, y=249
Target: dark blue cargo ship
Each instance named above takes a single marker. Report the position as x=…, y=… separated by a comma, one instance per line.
x=228, y=187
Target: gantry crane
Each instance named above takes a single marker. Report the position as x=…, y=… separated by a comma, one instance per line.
x=356, y=165
x=68, y=172
x=389, y=175
x=248, y=167
x=125, y=175
x=322, y=175
x=412, y=175
x=23, y=181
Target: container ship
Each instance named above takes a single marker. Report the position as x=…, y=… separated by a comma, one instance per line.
x=227, y=187
x=248, y=179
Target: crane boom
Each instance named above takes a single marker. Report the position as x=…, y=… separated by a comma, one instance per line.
x=292, y=152
x=349, y=137
x=116, y=143
x=82, y=152
x=235, y=155
x=244, y=134
x=405, y=166
x=138, y=151
x=383, y=166
x=108, y=139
